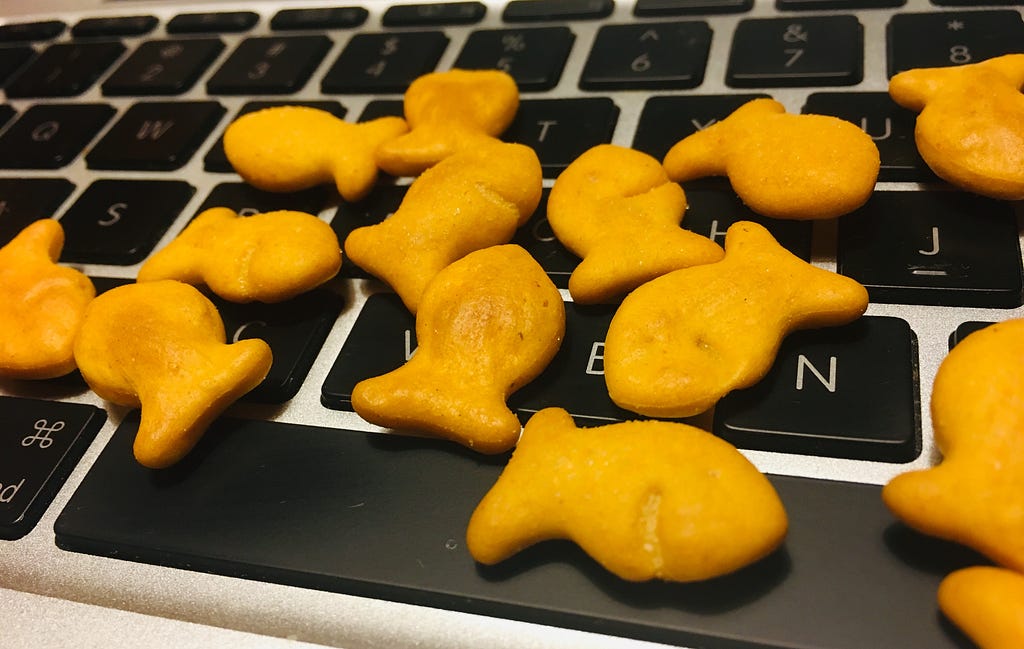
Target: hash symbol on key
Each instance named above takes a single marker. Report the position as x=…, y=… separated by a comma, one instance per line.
x=42, y=436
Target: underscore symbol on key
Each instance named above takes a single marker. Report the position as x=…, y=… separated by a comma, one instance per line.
x=42, y=435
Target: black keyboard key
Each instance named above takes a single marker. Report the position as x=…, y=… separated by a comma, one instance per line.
x=666, y=120
x=42, y=30
x=361, y=515
x=156, y=136
x=24, y=200
x=319, y=18
x=12, y=58
x=534, y=57
x=65, y=69
x=518, y=11
x=113, y=26
x=648, y=8
x=269, y=65
x=425, y=15
x=6, y=113
x=49, y=136
x=163, y=67
x=384, y=62
x=381, y=203
x=973, y=3
x=939, y=39
x=647, y=56
x=964, y=330
x=539, y=240
x=812, y=401
x=42, y=443
x=217, y=160
x=295, y=330
x=938, y=247
x=559, y=130
x=837, y=4
x=246, y=199
x=711, y=210
x=213, y=22
x=797, y=51
x=890, y=126
x=121, y=221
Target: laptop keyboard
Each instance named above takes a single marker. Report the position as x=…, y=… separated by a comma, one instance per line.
x=111, y=122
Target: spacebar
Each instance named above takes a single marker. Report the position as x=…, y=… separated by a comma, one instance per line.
x=385, y=517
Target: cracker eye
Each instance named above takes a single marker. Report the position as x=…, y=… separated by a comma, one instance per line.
x=268, y=257
x=781, y=165
x=43, y=304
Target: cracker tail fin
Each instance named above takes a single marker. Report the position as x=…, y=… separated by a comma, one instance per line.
x=174, y=417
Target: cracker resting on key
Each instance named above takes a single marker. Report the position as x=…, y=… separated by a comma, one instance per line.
x=488, y=324
x=268, y=257
x=617, y=209
x=469, y=201
x=449, y=112
x=161, y=346
x=970, y=129
x=781, y=165
x=975, y=496
x=987, y=604
x=290, y=148
x=645, y=499
x=43, y=304
x=681, y=342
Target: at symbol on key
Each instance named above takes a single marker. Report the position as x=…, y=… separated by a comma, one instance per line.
x=42, y=436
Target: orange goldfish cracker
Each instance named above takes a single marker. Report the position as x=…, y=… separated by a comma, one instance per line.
x=975, y=496
x=471, y=200
x=289, y=148
x=617, y=209
x=970, y=129
x=449, y=112
x=645, y=499
x=782, y=165
x=488, y=324
x=161, y=345
x=268, y=257
x=681, y=342
x=987, y=604
x=43, y=304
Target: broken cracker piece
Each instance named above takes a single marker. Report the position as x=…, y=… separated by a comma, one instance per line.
x=268, y=257
x=617, y=209
x=782, y=165
x=970, y=129
x=645, y=499
x=975, y=495
x=681, y=342
x=488, y=324
x=449, y=112
x=987, y=604
x=469, y=201
x=161, y=346
x=43, y=304
x=290, y=148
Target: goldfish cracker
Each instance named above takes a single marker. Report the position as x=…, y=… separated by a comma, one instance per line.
x=681, y=342
x=781, y=165
x=617, y=209
x=987, y=604
x=645, y=499
x=975, y=496
x=970, y=129
x=269, y=257
x=472, y=200
x=43, y=304
x=290, y=148
x=449, y=112
x=488, y=324
x=161, y=346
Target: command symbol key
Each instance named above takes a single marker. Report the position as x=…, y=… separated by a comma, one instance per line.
x=40, y=444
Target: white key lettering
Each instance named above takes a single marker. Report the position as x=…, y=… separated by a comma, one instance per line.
x=596, y=358
x=802, y=362
x=42, y=435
